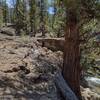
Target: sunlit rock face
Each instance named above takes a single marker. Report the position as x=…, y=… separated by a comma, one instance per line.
x=94, y=83
x=87, y=94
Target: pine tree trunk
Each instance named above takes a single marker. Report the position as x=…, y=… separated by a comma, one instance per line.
x=71, y=66
x=42, y=17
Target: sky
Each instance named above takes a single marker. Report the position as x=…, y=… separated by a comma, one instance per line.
x=9, y=2
x=51, y=10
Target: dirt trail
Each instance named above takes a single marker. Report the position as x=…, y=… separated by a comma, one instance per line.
x=27, y=70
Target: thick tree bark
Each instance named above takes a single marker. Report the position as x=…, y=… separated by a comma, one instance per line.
x=42, y=19
x=71, y=66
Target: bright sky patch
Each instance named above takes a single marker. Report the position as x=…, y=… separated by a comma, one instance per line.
x=51, y=10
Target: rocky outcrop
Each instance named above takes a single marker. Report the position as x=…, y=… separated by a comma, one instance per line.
x=27, y=69
x=8, y=31
x=87, y=94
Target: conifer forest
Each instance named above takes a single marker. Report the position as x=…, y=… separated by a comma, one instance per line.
x=49, y=49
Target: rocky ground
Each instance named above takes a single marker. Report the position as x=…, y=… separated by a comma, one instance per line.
x=27, y=70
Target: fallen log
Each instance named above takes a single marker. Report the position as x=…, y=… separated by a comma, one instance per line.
x=62, y=86
x=55, y=44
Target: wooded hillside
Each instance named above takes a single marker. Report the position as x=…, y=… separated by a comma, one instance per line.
x=50, y=41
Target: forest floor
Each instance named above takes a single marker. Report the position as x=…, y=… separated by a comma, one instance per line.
x=27, y=70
